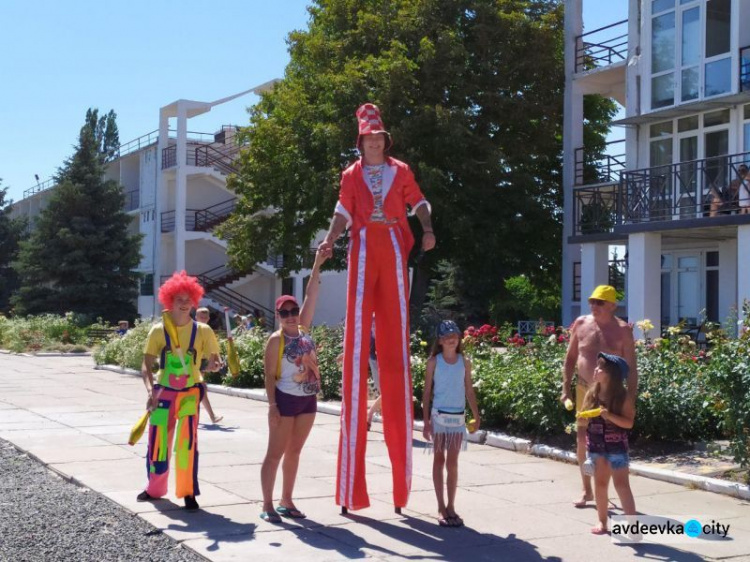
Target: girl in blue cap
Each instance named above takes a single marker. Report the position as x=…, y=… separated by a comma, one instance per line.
x=447, y=386
x=607, y=435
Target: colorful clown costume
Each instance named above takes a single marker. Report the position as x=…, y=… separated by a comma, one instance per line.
x=374, y=203
x=179, y=390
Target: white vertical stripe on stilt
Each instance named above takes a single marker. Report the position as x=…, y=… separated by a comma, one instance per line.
x=405, y=354
x=356, y=367
x=343, y=482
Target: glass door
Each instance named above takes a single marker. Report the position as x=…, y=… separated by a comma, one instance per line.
x=688, y=289
x=687, y=177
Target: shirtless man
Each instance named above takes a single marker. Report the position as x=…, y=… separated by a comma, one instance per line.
x=599, y=331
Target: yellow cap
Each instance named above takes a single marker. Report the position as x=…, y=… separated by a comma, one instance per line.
x=604, y=293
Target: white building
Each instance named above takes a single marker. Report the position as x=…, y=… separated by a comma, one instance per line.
x=681, y=69
x=176, y=193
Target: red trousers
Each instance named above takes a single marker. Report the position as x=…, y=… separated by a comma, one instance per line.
x=377, y=284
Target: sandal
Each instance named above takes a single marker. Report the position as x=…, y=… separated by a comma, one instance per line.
x=290, y=512
x=270, y=517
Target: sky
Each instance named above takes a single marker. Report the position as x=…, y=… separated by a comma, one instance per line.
x=60, y=58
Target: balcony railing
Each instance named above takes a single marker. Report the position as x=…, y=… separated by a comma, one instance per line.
x=745, y=69
x=694, y=189
x=602, y=47
x=39, y=187
x=132, y=200
x=207, y=218
x=168, y=220
x=596, y=209
x=617, y=271
x=279, y=261
x=605, y=169
x=201, y=220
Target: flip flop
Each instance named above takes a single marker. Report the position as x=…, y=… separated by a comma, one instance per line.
x=599, y=531
x=457, y=521
x=582, y=503
x=270, y=517
x=290, y=512
x=445, y=522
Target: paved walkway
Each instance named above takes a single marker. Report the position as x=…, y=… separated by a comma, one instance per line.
x=516, y=507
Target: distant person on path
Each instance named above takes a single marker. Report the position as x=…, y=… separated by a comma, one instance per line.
x=447, y=387
x=607, y=435
x=600, y=331
x=292, y=384
x=122, y=327
x=174, y=400
x=376, y=193
x=203, y=315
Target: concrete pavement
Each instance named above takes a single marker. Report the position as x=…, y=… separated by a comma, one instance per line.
x=516, y=507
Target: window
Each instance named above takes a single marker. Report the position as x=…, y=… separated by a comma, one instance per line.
x=718, y=27
x=147, y=285
x=662, y=60
x=691, y=54
x=712, y=286
x=287, y=286
x=687, y=124
x=690, y=50
x=718, y=77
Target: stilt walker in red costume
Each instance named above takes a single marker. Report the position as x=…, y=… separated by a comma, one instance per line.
x=376, y=193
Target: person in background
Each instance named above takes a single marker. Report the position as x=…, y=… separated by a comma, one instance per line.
x=122, y=327
x=203, y=315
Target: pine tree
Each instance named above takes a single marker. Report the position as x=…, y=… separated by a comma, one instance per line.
x=11, y=233
x=81, y=257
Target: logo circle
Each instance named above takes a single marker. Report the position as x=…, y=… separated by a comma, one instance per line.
x=693, y=528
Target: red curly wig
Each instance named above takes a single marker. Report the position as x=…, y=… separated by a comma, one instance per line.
x=180, y=283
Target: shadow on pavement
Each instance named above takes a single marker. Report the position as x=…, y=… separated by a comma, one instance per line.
x=212, y=526
x=426, y=541
x=217, y=428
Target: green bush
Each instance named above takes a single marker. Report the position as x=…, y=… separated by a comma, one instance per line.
x=127, y=350
x=684, y=394
x=519, y=389
x=676, y=401
x=46, y=332
x=728, y=371
x=249, y=345
x=329, y=343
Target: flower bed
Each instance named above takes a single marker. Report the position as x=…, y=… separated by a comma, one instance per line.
x=685, y=394
x=46, y=332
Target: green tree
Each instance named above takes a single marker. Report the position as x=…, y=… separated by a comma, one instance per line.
x=11, y=232
x=80, y=256
x=471, y=91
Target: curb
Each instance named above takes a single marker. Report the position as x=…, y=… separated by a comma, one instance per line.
x=508, y=442
x=47, y=353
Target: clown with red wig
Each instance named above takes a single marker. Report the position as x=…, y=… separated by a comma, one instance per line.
x=179, y=343
x=376, y=193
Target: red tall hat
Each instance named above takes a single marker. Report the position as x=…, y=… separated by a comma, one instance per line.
x=370, y=123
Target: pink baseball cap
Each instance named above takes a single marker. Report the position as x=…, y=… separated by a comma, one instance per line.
x=285, y=299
